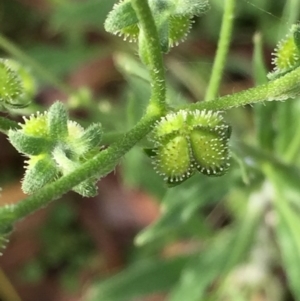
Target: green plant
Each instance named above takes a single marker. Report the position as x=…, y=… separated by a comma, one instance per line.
x=185, y=138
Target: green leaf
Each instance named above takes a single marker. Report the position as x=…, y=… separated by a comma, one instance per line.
x=29, y=145
x=143, y=278
x=38, y=175
x=87, y=188
x=122, y=16
x=181, y=206
x=58, y=121
x=92, y=136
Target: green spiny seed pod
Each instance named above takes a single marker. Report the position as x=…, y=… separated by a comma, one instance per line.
x=173, y=159
x=11, y=90
x=28, y=82
x=173, y=21
x=35, y=125
x=286, y=54
x=187, y=141
x=55, y=146
x=179, y=27
x=210, y=149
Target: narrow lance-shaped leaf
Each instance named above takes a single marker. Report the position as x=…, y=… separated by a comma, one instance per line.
x=143, y=278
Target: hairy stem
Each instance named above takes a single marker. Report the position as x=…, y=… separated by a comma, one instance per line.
x=222, y=50
x=99, y=166
x=282, y=88
x=106, y=160
x=156, y=67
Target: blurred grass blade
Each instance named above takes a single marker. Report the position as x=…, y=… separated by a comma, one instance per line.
x=140, y=279
x=177, y=214
x=79, y=15
x=287, y=230
x=289, y=241
x=290, y=15
x=200, y=272
x=220, y=257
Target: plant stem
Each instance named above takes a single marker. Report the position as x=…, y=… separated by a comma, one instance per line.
x=106, y=160
x=6, y=124
x=222, y=50
x=156, y=67
x=282, y=88
x=99, y=166
x=13, y=50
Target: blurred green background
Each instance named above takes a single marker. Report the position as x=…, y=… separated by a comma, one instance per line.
x=230, y=238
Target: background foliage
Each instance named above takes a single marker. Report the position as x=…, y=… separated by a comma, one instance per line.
x=228, y=238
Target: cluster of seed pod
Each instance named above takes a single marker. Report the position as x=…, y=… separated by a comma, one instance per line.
x=190, y=141
x=55, y=146
x=173, y=20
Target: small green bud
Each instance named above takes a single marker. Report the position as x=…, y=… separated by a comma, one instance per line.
x=187, y=141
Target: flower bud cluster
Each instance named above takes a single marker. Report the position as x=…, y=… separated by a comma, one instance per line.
x=55, y=146
x=190, y=141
